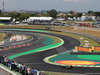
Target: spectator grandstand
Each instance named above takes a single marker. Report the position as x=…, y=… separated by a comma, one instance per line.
x=40, y=21
x=43, y=21
x=5, y=20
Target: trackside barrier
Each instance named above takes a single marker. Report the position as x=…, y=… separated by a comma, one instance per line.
x=17, y=46
x=84, y=49
x=18, y=67
x=96, y=48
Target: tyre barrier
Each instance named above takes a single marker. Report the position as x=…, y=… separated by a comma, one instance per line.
x=17, y=46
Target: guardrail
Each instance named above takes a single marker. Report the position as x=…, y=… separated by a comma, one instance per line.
x=17, y=46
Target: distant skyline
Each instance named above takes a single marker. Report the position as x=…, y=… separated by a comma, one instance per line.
x=59, y=5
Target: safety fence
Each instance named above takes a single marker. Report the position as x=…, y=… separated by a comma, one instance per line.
x=17, y=46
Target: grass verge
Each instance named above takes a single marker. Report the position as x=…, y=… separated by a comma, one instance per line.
x=56, y=73
x=90, y=41
x=2, y=36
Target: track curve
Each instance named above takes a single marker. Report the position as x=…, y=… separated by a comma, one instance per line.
x=36, y=60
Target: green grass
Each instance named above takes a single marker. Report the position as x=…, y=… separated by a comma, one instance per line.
x=27, y=36
x=58, y=73
x=2, y=37
x=90, y=41
x=1, y=24
x=55, y=39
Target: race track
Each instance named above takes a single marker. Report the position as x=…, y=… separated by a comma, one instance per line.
x=35, y=60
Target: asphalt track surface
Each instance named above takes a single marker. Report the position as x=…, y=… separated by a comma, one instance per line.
x=35, y=60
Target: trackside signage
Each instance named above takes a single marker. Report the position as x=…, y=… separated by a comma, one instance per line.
x=83, y=49
x=96, y=48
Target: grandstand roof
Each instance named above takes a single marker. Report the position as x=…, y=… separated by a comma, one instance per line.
x=40, y=18
x=5, y=18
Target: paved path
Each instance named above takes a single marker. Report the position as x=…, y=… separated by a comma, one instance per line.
x=3, y=72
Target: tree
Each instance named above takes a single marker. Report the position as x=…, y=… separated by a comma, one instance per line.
x=12, y=14
x=78, y=14
x=71, y=12
x=18, y=15
x=97, y=14
x=90, y=13
x=68, y=16
x=53, y=13
x=24, y=16
x=46, y=15
x=34, y=15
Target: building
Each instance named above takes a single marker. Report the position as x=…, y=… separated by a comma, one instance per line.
x=88, y=18
x=61, y=15
x=39, y=20
x=5, y=20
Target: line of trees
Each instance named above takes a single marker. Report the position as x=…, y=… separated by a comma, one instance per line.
x=75, y=15
x=22, y=16
x=92, y=13
x=52, y=13
x=89, y=13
